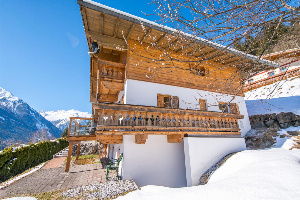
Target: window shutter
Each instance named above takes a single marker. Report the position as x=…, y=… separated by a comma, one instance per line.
x=160, y=100
x=175, y=102
x=234, y=108
x=202, y=103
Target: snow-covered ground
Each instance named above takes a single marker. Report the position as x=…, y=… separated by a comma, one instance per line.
x=248, y=175
x=286, y=142
x=61, y=118
x=283, y=96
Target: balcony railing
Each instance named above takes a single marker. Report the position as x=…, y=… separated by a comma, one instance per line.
x=112, y=72
x=119, y=119
x=81, y=127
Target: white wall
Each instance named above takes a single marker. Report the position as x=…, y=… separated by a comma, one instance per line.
x=114, y=150
x=154, y=163
x=145, y=93
x=201, y=153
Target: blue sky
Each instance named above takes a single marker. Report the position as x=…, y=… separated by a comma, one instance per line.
x=43, y=51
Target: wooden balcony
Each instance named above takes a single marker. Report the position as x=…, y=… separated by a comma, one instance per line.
x=116, y=120
x=80, y=129
x=107, y=80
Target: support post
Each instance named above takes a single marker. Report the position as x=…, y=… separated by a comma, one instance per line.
x=71, y=143
x=78, y=151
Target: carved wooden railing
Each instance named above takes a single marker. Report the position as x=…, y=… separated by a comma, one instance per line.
x=119, y=119
x=112, y=72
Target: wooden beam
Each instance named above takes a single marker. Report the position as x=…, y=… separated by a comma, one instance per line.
x=110, y=139
x=107, y=41
x=81, y=138
x=171, y=43
x=238, y=59
x=209, y=53
x=119, y=133
x=84, y=18
x=141, y=138
x=104, y=62
x=71, y=143
x=101, y=23
x=183, y=47
x=148, y=31
x=130, y=31
x=108, y=98
x=116, y=27
x=176, y=138
x=197, y=49
x=78, y=151
x=159, y=39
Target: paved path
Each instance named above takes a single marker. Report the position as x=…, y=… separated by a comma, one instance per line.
x=54, y=163
x=51, y=179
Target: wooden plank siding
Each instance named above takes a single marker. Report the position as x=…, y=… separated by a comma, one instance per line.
x=141, y=67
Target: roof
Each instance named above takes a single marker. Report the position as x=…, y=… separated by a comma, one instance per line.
x=283, y=54
x=138, y=20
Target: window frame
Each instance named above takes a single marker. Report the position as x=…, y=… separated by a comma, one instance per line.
x=226, y=105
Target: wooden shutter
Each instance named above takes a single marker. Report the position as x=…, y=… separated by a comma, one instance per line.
x=223, y=107
x=234, y=109
x=160, y=100
x=202, y=103
x=175, y=102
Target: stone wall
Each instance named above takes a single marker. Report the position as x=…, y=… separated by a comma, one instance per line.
x=87, y=148
x=281, y=120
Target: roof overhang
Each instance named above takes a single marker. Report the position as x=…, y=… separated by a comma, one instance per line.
x=233, y=54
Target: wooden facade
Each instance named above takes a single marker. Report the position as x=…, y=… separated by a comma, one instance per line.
x=129, y=50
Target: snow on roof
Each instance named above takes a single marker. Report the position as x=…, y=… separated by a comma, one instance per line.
x=129, y=17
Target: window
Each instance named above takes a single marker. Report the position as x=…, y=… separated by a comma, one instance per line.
x=223, y=107
x=164, y=101
x=202, y=104
x=198, y=70
x=271, y=73
x=283, y=69
x=167, y=101
x=234, y=108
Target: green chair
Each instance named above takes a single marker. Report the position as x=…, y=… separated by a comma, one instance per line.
x=114, y=165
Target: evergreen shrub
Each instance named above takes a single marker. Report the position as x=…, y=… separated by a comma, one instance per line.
x=21, y=159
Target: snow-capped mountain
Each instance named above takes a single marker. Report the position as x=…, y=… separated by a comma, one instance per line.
x=18, y=121
x=61, y=118
x=282, y=96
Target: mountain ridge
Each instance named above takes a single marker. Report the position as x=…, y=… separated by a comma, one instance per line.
x=61, y=118
x=19, y=121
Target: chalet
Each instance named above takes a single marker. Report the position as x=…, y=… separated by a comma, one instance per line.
x=289, y=62
x=171, y=119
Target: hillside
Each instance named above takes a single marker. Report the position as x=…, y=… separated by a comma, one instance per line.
x=18, y=121
x=61, y=118
x=283, y=96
